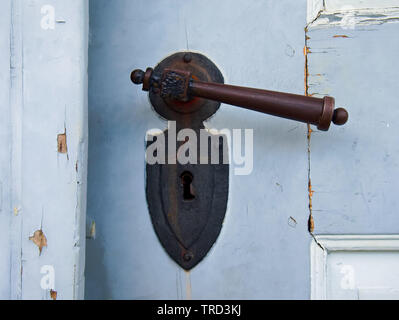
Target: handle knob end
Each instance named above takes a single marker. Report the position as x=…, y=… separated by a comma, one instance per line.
x=340, y=116
x=137, y=76
x=140, y=77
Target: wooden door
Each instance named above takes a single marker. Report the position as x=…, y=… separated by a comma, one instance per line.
x=263, y=248
x=352, y=49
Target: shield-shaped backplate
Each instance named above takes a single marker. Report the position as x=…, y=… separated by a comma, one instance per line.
x=187, y=202
x=187, y=222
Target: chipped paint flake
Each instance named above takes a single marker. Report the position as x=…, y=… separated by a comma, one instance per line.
x=62, y=143
x=306, y=73
x=92, y=233
x=39, y=239
x=16, y=211
x=349, y=17
x=311, y=224
x=53, y=294
x=310, y=192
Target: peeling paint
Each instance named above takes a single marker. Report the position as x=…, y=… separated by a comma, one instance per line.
x=306, y=51
x=16, y=211
x=53, y=294
x=349, y=17
x=340, y=36
x=92, y=231
x=48, y=149
x=311, y=224
x=310, y=192
x=188, y=285
x=306, y=73
x=39, y=239
x=62, y=143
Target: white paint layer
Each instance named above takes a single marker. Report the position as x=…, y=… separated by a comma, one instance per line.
x=341, y=5
x=351, y=12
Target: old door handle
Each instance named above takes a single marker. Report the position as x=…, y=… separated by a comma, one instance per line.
x=187, y=200
x=181, y=85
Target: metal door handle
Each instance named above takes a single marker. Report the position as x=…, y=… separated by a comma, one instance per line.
x=186, y=88
x=181, y=85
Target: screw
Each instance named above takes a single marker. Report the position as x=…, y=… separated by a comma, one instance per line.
x=187, y=256
x=187, y=58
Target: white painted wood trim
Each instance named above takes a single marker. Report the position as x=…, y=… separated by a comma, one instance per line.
x=345, y=5
x=322, y=245
x=314, y=7
x=318, y=264
x=351, y=11
x=43, y=94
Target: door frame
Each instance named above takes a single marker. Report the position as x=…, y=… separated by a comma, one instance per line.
x=322, y=245
x=45, y=129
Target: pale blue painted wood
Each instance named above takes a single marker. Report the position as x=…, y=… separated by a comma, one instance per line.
x=43, y=93
x=259, y=253
x=5, y=155
x=354, y=168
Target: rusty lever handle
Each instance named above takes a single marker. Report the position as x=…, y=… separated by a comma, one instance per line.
x=180, y=85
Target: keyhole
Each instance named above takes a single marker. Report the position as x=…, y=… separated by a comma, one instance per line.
x=187, y=179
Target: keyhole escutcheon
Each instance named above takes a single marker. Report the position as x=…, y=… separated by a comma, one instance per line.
x=188, y=190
